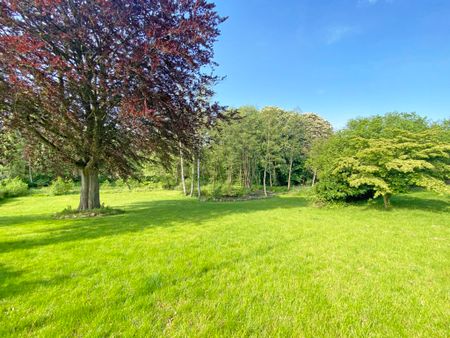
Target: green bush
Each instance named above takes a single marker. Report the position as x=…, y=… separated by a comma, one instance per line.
x=61, y=186
x=333, y=189
x=13, y=187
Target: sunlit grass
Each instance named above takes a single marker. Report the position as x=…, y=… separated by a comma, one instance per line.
x=172, y=266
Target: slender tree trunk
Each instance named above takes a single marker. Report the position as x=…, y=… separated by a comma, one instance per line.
x=249, y=173
x=240, y=176
x=214, y=177
x=314, y=178
x=90, y=189
x=290, y=173
x=230, y=177
x=386, y=200
x=274, y=176
x=199, y=193
x=183, y=181
x=270, y=178
x=192, y=178
x=264, y=181
x=256, y=174
x=30, y=173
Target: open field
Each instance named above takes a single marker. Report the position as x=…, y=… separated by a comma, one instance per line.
x=172, y=266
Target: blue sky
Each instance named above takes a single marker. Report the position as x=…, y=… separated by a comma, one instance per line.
x=339, y=58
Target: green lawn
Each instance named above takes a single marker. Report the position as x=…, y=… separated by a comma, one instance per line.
x=172, y=266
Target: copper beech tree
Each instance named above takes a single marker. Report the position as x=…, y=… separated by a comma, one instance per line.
x=106, y=83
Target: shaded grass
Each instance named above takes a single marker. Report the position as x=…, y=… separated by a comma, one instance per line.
x=172, y=266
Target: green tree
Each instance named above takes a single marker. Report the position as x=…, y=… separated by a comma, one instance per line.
x=393, y=165
x=316, y=129
x=294, y=141
x=271, y=142
x=381, y=156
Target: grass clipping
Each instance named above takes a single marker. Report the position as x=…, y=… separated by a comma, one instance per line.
x=69, y=213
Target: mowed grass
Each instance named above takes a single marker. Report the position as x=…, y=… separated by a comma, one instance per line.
x=173, y=266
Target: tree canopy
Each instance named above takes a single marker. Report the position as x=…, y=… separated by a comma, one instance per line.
x=381, y=156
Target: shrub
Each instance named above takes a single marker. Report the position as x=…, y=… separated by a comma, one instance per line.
x=13, y=187
x=335, y=189
x=61, y=186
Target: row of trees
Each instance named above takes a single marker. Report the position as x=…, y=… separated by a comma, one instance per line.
x=371, y=157
x=249, y=148
x=259, y=149
x=253, y=148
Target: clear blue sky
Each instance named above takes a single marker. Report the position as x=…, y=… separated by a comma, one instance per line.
x=339, y=58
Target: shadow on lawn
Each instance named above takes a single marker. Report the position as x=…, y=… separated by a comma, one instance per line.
x=425, y=204
x=138, y=217
x=11, y=288
x=411, y=202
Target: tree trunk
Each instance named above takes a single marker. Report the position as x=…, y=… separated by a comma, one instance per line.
x=90, y=190
x=230, y=177
x=274, y=176
x=264, y=181
x=183, y=181
x=314, y=179
x=192, y=178
x=199, y=193
x=290, y=173
x=240, y=176
x=386, y=200
x=30, y=173
x=270, y=178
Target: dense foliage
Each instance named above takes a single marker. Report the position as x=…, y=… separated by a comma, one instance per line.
x=381, y=156
x=259, y=148
x=255, y=152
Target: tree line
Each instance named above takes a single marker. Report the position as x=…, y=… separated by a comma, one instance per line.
x=255, y=149
x=263, y=149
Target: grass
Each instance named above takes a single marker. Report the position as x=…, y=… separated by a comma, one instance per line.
x=171, y=266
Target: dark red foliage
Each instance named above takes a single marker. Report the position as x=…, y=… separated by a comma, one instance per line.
x=106, y=83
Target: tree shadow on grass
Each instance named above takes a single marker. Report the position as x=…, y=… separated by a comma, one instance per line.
x=4, y=201
x=425, y=204
x=138, y=217
x=412, y=202
x=10, y=221
x=10, y=287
